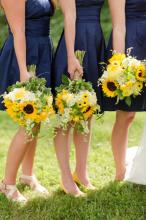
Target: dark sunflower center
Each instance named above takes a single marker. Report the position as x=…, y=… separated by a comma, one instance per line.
x=111, y=86
x=140, y=74
x=28, y=109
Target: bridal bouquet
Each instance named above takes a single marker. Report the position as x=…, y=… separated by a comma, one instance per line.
x=124, y=77
x=29, y=103
x=75, y=102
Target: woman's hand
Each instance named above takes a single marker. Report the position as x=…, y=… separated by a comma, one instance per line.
x=25, y=76
x=74, y=66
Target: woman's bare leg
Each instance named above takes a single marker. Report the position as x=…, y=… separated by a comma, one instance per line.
x=120, y=141
x=62, y=143
x=82, y=144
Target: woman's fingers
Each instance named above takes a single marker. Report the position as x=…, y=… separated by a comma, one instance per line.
x=74, y=67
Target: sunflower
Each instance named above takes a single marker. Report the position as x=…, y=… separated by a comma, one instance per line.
x=117, y=58
x=89, y=112
x=141, y=73
x=85, y=95
x=80, y=104
x=139, y=85
x=30, y=110
x=109, y=87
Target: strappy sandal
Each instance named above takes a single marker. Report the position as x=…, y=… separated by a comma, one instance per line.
x=33, y=183
x=76, y=195
x=77, y=180
x=10, y=190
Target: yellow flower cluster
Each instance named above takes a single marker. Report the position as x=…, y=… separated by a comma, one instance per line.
x=27, y=108
x=75, y=108
x=125, y=76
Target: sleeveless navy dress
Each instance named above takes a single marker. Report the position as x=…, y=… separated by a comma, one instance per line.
x=135, y=38
x=89, y=37
x=38, y=44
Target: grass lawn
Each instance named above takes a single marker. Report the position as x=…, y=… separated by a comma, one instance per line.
x=111, y=201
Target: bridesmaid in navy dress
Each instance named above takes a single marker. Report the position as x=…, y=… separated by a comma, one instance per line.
x=129, y=30
x=28, y=43
x=89, y=38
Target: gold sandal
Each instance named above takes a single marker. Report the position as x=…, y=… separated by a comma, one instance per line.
x=79, y=194
x=77, y=180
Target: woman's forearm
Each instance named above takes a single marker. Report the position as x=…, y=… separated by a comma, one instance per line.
x=117, y=9
x=119, y=40
x=20, y=50
x=70, y=32
x=69, y=12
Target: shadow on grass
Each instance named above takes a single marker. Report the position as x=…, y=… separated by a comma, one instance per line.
x=116, y=201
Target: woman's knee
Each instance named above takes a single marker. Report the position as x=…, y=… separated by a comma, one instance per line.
x=125, y=117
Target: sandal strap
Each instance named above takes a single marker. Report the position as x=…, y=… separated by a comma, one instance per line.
x=10, y=188
x=34, y=183
x=4, y=186
x=32, y=180
x=9, y=191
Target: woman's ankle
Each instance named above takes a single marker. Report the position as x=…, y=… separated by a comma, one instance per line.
x=8, y=181
x=120, y=174
x=83, y=176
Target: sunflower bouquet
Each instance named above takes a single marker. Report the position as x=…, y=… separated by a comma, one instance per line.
x=75, y=102
x=29, y=103
x=124, y=77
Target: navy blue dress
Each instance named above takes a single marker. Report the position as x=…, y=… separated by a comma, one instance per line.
x=38, y=43
x=89, y=37
x=135, y=38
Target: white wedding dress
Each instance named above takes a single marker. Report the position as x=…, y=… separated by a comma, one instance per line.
x=136, y=162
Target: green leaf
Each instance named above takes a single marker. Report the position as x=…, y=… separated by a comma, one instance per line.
x=65, y=80
x=128, y=101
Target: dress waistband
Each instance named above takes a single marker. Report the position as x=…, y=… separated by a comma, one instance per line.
x=37, y=27
x=135, y=15
x=91, y=13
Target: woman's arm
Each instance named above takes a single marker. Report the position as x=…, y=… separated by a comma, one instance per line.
x=15, y=13
x=117, y=8
x=69, y=11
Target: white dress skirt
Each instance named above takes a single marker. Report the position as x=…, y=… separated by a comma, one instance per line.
x=136, y=162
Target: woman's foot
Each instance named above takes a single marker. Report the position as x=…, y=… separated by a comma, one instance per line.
x=33, y=183
x=12, y=193
x=84, y=181
x=69, y=187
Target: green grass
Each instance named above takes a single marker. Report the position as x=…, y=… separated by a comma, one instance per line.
x=111, y=201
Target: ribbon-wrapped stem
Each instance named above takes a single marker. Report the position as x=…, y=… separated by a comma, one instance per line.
x=32, y=69
x=80, y=56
